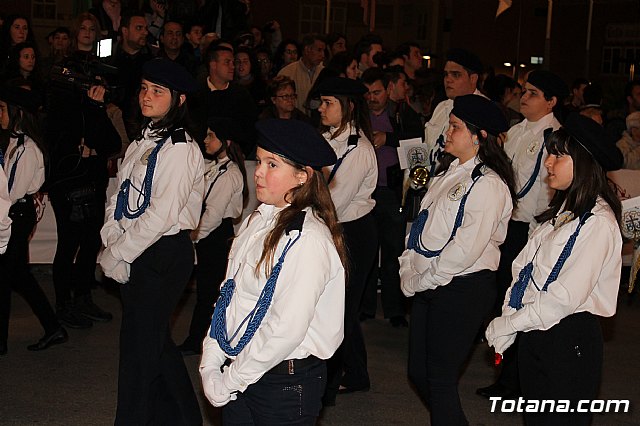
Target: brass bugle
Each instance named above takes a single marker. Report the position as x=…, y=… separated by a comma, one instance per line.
x=419, y=175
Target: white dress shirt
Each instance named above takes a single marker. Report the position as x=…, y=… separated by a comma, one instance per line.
x=476, y=244
x=356, y=178
x=5, y=205
x=176, y=196
x=523, y=144
x=29, y=175
x=438, y=125
x=588, y=281
x=307, y=310
x=225, y=198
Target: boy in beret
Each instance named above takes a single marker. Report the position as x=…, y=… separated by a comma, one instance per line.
x=542, y=93
x=461, y=73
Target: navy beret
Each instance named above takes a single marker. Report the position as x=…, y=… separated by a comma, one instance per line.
x=341, y=86
x=549, y=83
x=296, y=141
x=223, y=127
x=480, y=112
x=466, y=59
x=169, y=74
x=594, y=139
x=20, y=97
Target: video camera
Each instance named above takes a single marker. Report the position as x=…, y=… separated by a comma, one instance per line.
x=79, y=76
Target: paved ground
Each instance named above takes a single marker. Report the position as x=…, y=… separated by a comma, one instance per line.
x=75, y=383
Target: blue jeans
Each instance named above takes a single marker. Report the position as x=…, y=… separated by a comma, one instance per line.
x=280, y=399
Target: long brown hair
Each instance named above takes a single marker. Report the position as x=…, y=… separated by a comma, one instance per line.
x=315, y=194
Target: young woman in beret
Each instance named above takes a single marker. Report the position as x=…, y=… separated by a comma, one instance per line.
x=280, y=312
x=352, y=180
x=567, y=276
x=23, y=163
x=225, y=192
x=452, y=253
x=148, y=250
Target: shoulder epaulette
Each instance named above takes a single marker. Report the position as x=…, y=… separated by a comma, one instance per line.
x=179, y=136
x=296, y=223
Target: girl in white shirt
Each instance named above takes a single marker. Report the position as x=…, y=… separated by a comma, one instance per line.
x=452, y=253
x=352, y=180
x=225, y=192
x=23, y=164
x=279, y=315
x=148, y=249
x=567, y=276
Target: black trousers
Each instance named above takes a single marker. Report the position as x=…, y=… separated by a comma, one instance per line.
x=562, y=363
x=516, y=239
x=444, y=323
x=280, y=399
x=153, y=382
x=391, y=225
x=351, y=357
x=77, y=248
x=15, y=274
x=212, y=252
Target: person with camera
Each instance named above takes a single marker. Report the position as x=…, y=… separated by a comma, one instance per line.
x=81, y=138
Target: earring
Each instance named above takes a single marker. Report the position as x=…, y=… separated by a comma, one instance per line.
x=300, y=183
x=476, y=142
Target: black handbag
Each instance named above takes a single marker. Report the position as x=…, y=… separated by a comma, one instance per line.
x=84, y=205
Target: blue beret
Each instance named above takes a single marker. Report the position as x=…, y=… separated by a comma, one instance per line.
x=466, y=59
x=480, y=112
x=341, y=86
x=20, y=97
x=594, y=139
x=169, y=74
x=296, y=141
x=549, y=83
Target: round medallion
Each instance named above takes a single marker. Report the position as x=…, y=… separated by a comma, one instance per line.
x=145, y=157
x=562, y=218
x=457, y=192
x=532, y=149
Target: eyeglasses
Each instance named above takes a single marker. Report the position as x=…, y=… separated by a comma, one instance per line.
x=287, y=97
x=264, y=61
x=291, y=52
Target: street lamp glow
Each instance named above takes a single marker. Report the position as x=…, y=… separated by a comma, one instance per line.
x=522, y=65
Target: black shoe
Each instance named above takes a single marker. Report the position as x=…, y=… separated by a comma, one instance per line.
x=497, y=390
x=398, y=322
x=84, y=306
x=70, y=317
x=352, y=389
x=3, y=348
x=55, y=338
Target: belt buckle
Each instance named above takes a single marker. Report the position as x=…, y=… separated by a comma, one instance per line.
x=291, y=366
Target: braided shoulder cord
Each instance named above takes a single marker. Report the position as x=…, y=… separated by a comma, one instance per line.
x=122, y=202
x=254, y=318
x=413, y=243
x=519, y=288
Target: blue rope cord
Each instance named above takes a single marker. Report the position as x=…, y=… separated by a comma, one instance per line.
x=1, y=159
x=14, y=168
x=254, y=318
x=525, y=275
x=532, y=179
x=122, y=203
x=436, y=154
x=413, y=243
x=337, y=165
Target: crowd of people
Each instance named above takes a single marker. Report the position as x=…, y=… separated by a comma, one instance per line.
x=516, y=230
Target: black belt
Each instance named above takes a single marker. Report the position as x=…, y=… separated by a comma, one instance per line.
x=288, y=366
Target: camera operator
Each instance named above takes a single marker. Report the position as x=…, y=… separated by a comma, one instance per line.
x=80, y=138
x=130, y=54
